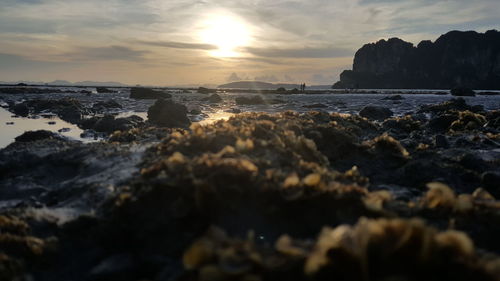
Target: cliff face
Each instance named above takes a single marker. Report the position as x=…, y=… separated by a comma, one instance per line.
x=467, y=59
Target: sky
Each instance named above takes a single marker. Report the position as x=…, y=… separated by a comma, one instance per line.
x=187, y=42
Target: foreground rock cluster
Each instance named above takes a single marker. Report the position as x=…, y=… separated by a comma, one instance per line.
x=286, y=196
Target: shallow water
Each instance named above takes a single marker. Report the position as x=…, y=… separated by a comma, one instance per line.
x=332, y=102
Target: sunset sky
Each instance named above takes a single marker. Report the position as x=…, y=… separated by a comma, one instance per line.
x=179, y=42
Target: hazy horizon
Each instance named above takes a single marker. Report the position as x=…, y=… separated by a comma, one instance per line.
x=186, y=42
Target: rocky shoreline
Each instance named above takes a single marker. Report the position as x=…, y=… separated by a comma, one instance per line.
x=283, y=196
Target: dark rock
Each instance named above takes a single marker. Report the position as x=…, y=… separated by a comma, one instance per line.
x=441, y=141
x=146, y=93
x=462, y=92
x=109, y=124
x=195, y=111
x=234, y=110
x=51, y=122
x=9, y=123
x=254, y=100
x=457, y=104
x=394, y=98
x=203, y=90
x=464, y=58
x=71, y=114
x=215, y=98
x=166, y=113
x=105, y=105
x=488, y=93
x=64, y=130
x=491, y=181
x=102, y=90
x=21, y=109
x=441, y=123
x=281, y=90
x=316, y=105
x=31, y=136
x=378, y=113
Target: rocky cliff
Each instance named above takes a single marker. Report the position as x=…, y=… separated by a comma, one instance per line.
x=467, y=59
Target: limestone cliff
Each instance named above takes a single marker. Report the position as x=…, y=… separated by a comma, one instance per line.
x=467, y=59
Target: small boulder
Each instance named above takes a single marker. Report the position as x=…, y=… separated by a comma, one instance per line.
x=146, y=93
x=215, y=98
x=491, y=181
x=442, y=122
x=463, y=92
x=441, y=141
x=30, y=136
x=378, y=113
x=203, y=90
x=102, y=90
x=166, y=113
x=250, y=100
x=393, y=97
x=104, y=105
x=21, y=109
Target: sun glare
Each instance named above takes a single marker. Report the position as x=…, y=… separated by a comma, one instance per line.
x=227, y=33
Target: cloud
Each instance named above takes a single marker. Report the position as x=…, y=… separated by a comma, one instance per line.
x=106, y=54
x=178, y=45
x=233, y=78
x=301, y=53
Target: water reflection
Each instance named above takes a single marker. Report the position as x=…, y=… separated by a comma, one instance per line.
x=11, y=127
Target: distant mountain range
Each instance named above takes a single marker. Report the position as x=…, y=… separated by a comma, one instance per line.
x=67, y=83
x=258, y=85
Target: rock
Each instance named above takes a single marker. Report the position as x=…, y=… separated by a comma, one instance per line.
x=215, y=98
x=441, y=123
x=203, y=90
x=64, y=130
x=9, y=123
x=234, y=110
x=281, y=90
x=166, y=113
x=21, y=109
x=146, y=93
x=315, y=105
x=102, y=90
x=378, y=113
x=488, y=93
x=394, y=98
x=253, y=100
x=101, y=106
x=195, y=111
x=458, y=104
x=71, y=114
x=109, y=124
x=462, y=92
x=441, y=141
x=51, y=122
x=491, y=181
x=469, y=57
x=31, y=136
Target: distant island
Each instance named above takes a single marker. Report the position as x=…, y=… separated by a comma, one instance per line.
x=456, y=59
x=68, y=83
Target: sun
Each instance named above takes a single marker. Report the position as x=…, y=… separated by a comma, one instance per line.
x=227, y=33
